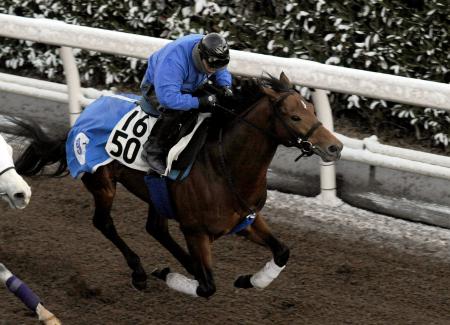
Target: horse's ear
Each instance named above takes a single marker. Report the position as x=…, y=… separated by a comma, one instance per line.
x=284, y=79
x=270, y=92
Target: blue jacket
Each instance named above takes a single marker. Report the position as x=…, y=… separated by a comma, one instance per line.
x=171, y=70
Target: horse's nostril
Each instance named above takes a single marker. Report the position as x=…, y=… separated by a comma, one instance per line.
x=333, y=148
x=19, y=196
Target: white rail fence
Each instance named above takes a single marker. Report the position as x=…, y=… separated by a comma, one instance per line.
x=306, y=73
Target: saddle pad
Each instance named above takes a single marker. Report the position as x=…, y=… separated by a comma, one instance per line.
x=85, y=145
x=115, y=128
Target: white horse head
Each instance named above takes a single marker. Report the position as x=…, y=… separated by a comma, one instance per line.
x=13, y=188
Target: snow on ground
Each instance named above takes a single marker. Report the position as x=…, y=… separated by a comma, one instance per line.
x=354, y=224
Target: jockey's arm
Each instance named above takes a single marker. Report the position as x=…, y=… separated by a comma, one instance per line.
x=223, y=78
x=168, y=82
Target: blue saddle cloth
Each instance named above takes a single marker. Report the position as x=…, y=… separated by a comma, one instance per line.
x=91, y=131
x=85, y=145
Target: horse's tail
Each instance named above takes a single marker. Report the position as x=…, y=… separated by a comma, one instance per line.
x=42, y=149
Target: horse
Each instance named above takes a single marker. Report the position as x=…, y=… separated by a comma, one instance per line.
x=17, y=193
x=13, y=188
x=226, y=187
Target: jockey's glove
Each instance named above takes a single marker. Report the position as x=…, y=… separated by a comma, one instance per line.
x=206, y=102
x=226, y=91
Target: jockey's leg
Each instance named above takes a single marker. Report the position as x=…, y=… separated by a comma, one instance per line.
x=103, y=188
x=260, y=233
x=200, y=248
x=157, y=226
x=161, y=139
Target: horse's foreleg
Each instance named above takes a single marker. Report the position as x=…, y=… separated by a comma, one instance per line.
x=203, y=285
x=260, y=233
x=157, y=226
x=103, y=188
x=28, y=297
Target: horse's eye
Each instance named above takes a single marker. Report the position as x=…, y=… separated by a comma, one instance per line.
x=295, y=118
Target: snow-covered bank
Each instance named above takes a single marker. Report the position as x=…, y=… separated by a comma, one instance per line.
x=358, y=225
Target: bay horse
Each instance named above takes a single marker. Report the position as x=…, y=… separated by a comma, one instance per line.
x=17, y=192
x=227, y=183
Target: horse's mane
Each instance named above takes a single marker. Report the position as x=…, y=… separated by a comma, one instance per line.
x=247, y=91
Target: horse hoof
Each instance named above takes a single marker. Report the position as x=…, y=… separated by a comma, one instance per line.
x=161, y=274
x=139, y=285
x=139, y=281
x=243, y=282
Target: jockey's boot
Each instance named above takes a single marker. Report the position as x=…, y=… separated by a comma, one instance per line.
x=161, y=139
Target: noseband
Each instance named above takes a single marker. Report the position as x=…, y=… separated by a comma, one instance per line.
x=297, y=140
x=1, y=173
x=6, y=169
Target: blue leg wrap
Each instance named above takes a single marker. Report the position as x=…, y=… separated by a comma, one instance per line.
x=23, y=292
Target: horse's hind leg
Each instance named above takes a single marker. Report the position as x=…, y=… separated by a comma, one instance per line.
x=158, y=227
x=103, y=188
x=260, y=233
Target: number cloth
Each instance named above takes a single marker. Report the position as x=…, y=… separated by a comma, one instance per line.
x=85, y=145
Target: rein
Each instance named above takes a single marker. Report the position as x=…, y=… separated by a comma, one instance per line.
x=301, y=142
x=230, y=178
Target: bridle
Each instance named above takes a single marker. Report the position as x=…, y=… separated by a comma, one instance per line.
x=1, y=173
x=6, y=169
x=297, y=140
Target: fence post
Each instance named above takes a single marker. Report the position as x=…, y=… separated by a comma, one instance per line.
x=73, y=82
x=327, y=169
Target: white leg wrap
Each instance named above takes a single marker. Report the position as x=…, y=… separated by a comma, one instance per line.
x=46, y=317
x=182, y=284
x=5, y=274
x=266, y=275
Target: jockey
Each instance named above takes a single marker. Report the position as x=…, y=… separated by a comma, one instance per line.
x=173, y=74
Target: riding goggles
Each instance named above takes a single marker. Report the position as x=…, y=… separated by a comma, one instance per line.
x=217, y=63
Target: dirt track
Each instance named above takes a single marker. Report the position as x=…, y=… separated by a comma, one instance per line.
x=83, y=279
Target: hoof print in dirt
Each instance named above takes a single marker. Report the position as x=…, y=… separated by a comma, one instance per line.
x=243, y=282
x=161, y=274
x=80, y=288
